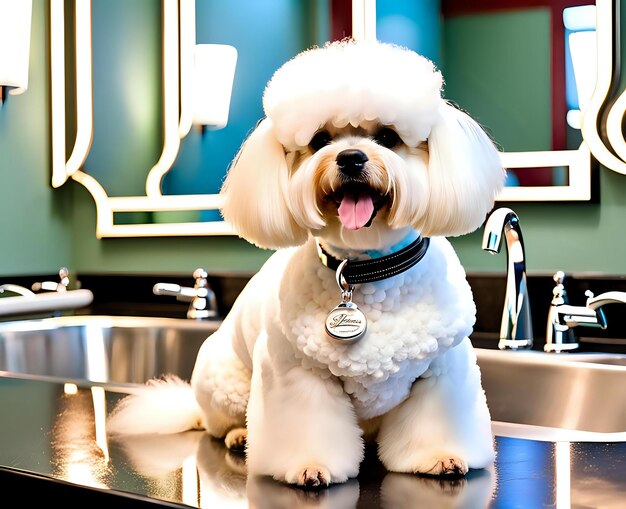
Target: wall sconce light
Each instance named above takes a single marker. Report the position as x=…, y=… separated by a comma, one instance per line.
x=207, y=72
x=213, y=75
x=179, y=42
x=196, y=77
x=15, y=21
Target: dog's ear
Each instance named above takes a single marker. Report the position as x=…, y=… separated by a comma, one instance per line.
x=465, y=174
x=254, y=192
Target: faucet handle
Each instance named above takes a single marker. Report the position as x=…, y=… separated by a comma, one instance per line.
x=64, y=274
x=61, y=286
x=559, y=336
x=204, y=305
x=200, y=275
x=559, y=277
x=559, y=294
x=201, y=298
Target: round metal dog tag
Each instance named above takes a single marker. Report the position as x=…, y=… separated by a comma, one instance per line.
x=346, y=323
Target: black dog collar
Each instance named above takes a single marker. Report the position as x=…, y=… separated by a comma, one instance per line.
x=366, y=271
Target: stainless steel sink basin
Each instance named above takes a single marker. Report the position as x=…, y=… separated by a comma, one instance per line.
x=570, y=397
x=107, y=349
x=600, y=358
x=543, y=396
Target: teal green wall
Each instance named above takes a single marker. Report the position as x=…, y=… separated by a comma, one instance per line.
x=43, y=228
x=505, y=86
x=35, y=223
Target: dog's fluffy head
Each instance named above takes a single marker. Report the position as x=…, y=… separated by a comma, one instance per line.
x=357, y=141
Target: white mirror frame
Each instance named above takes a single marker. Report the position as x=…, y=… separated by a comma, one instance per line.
x=579, y=161
x=177, y=124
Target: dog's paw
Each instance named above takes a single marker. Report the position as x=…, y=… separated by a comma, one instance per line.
x=310, y=477
x=447, y=466
x=236, y=439
x=442, y=466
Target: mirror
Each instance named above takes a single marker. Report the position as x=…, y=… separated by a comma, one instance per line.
x=132, y=162
x=521, y=93
x=128, y=75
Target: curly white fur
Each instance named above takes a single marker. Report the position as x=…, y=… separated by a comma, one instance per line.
x=411, y=382
x=312, y=88
x=413, y=318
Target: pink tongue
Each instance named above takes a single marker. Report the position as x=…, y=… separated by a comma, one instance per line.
x=355, y=211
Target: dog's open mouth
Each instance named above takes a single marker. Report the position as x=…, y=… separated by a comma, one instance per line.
x=357, y=205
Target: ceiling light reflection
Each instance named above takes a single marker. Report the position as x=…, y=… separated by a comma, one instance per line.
x=562, y=464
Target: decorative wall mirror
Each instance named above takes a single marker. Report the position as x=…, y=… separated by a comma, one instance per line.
x=156, y=202
x=551, y=131
x=146, y=201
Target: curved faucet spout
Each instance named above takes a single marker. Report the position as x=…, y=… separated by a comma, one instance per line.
x=604, y=298
x=20, y=290
x=516, y=327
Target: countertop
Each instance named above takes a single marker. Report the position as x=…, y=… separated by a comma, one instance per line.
x=54, y=444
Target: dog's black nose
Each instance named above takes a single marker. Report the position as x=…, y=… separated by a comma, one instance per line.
x=351, y=161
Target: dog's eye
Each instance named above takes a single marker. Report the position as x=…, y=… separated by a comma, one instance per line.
x=386, y=137
x=320, y=140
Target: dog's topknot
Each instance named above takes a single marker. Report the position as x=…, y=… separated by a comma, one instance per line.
x=348, y=81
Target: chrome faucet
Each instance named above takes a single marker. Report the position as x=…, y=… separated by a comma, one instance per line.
x=61, y=286
x=57, y=299
x=201, y=298
x=516, y=330
x=562, y=317
x=51, y=286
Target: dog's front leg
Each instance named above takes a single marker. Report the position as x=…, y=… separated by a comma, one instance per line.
x=302, y=428
x=444, y=427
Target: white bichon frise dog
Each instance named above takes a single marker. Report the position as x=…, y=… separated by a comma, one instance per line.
x=357, y=327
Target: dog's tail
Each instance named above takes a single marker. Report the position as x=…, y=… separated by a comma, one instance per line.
x=166, y=405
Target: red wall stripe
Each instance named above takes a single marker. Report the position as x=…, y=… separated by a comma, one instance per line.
x=340, y=19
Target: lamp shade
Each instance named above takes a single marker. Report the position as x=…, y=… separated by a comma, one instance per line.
x=214, y=72
x=583, y=49
x=15, y=21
